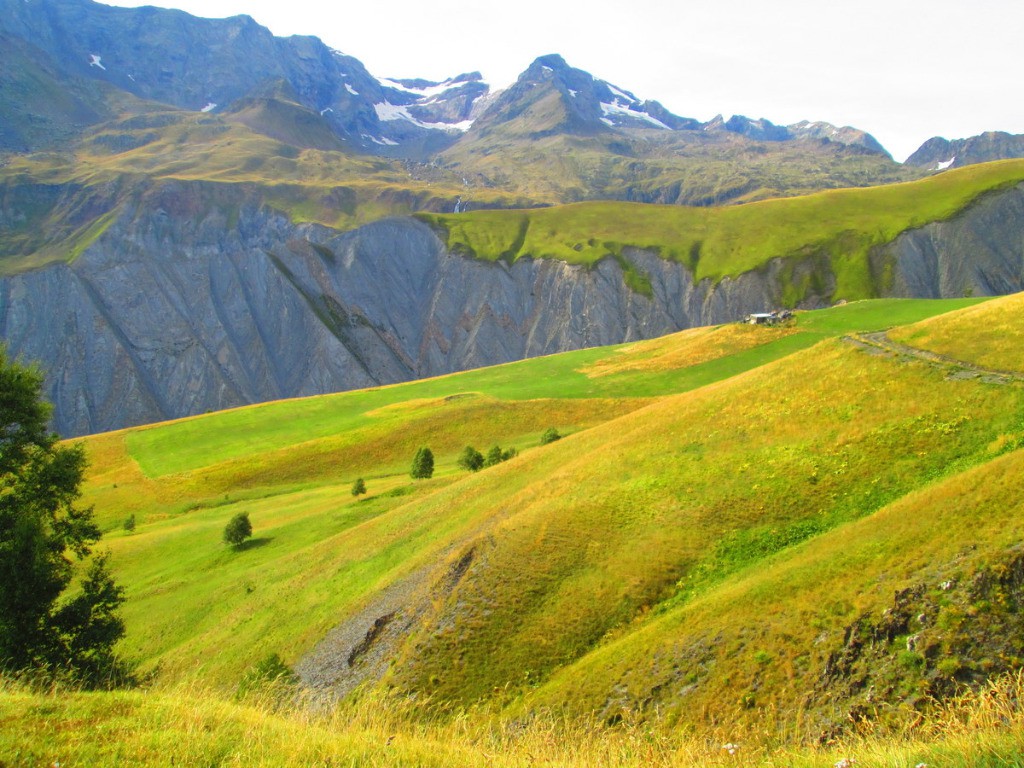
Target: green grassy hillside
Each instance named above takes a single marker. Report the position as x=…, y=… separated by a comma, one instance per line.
x=189, y=728
x=693, y=558
x=630, y=517
x=836, y=228
x=291, y=464
x=991, y=336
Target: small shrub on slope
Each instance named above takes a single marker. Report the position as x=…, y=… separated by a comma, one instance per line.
x=471, y=459
x=550, y=435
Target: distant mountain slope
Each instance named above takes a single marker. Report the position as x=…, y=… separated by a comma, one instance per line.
x=557, y=135
x=560, y=132
x=206, y=64
x=939, y=154
x=275, y=112
x=42, y=106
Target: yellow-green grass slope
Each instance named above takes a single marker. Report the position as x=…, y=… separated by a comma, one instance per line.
x=838, y=228
x=318, y=554
x=631, y=565
x=662, y=507
x=189, y=728
x=990, y=337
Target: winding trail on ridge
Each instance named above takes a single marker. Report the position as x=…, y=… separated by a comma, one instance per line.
x=879, y=343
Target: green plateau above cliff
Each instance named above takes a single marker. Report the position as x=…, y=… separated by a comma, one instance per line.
x=841, y=225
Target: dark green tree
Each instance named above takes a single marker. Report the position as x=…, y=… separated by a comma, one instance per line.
x=549, y=436
x=494, y=456
x=359, y=487
x=471, y=459
x=238, y=529
x=88, y=626
x=40, y=529
x=422, y=464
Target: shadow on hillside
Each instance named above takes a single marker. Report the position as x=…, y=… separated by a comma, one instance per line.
x=245, y=546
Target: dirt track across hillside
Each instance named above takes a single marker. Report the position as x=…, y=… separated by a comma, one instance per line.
x=879, y=343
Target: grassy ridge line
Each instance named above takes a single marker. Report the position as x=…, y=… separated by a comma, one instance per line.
x=192, y=443
x=719, y=242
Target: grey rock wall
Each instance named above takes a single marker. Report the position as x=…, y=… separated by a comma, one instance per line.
x=978, y=253
x=173, y=312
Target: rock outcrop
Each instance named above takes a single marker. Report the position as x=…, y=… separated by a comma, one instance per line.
x=939, y=154
x=978, y=253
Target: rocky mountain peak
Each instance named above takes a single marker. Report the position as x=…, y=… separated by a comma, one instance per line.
x=551, y=96
x=765, y=130
x=939, y=154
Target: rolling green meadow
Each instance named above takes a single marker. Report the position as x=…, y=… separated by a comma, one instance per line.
x=691, y=566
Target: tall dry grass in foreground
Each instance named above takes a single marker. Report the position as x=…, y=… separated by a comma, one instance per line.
x=188, y=726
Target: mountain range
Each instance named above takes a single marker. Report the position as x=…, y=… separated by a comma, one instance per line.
x=705, y=532
x=188, y=197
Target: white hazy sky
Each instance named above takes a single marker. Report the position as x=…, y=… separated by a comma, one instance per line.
x=903, y=70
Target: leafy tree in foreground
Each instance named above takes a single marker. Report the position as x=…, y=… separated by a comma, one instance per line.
x=471, y=459
x=549, y=436
x=359, y=487
x=422, y=464
x=238, y=529
x=40, y=526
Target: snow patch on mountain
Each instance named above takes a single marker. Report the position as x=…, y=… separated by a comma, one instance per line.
x=384, y=141
x=621, y=94
x=386, y=111
x=422, y=93
x=614, y=109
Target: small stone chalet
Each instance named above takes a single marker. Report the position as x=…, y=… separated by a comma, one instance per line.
x=768, y=318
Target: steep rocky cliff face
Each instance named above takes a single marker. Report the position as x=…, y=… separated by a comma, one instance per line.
x=978, y=253
x=184, y=306
x=181, y=307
